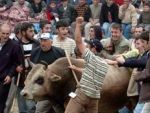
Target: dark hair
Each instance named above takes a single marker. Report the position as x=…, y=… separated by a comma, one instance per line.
x=43, y=23
x=17, y=28
x=98, y=32
x=61, y=23
x=146, y=4
x=116, y=26
x=145, y=36
x=140, y=25
x=25, y=26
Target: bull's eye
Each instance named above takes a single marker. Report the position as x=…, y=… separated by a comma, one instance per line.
x=39, y=80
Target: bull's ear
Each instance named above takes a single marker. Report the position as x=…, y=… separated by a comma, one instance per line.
x=55, y=78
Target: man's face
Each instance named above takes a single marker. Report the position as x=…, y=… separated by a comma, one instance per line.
x=45, y=44
x=138, y=31
x=146, y=45
x=37, y=1
x=92, y=33
x=96, y=1
x=140, y=46
x=126, y=3
x=115, y=34
x=146, y=8
x=81, y=2
x=4, y=34
x=29, y=33
x=21, y=2
x=62, y=32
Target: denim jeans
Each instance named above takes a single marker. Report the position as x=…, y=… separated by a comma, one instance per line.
x=106, y=29
x=25, y=106
x=146, y=108
x=127, y=30
x=124, y=110
x=138, y=108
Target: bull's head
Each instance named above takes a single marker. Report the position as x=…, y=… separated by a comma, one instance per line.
x=35, y=82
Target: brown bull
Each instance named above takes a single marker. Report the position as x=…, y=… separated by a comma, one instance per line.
x=58, y=81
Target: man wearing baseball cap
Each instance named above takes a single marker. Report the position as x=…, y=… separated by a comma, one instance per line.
x=47, y=53
x=95, y=45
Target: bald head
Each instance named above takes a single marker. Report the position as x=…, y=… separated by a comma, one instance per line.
x=4, y=32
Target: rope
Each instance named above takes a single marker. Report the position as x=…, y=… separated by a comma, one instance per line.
x=75, y=77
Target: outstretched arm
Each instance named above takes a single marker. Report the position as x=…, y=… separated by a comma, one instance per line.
x=78, y=38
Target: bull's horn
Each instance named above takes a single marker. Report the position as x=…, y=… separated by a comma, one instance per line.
x=55, y=78
x=30, y=63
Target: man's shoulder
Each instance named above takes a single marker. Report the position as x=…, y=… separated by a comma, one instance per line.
x=57, y=49
x=124, y=42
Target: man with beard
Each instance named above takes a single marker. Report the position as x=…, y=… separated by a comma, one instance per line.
x=28, y=43
x=62, y=39
x=48, y=54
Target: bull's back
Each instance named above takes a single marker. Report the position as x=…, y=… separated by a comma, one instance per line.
x=113, y=95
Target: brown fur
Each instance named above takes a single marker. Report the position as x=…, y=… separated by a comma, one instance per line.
x=113, y=95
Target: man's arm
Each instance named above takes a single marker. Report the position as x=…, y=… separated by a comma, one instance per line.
x=79, y=43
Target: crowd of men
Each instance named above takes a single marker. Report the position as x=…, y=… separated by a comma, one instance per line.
x=38, y=30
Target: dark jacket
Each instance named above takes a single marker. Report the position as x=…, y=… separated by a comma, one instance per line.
x=139, y=63
x=104, y=13
x=21, y=56
x=68, y=14
x=9, y=59
x=145, y=87
x=53, y=54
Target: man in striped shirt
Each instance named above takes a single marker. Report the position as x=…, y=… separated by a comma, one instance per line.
x=91, y=82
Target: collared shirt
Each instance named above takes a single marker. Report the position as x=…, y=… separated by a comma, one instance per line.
x=93, y=74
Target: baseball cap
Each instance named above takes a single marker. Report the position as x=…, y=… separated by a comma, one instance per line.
x=46, y=36
x=95, y=43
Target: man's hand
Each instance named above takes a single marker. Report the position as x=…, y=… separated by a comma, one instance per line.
x=19, y=69
x=7, y=80
x=120, y=59
x=79, y=20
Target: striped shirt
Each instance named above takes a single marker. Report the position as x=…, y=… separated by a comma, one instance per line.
x=93, y=74
x=67, y=44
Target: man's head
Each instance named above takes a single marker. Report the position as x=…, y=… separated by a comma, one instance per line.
x=27, y=31
x=46, y=41
x=81, y=2
x=65, y=2
x=21, y=2
x=4, y=33
x=126, y=3
x=146, y=7
x=145, y=39
x=17, y=30
x=94, y=45
x=116, y=32
x=45, y=26
x=138, y=30
x=62, y=29
x=110, y=2
x=95, y=2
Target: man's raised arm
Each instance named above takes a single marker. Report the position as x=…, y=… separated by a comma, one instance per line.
x=78, y=38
